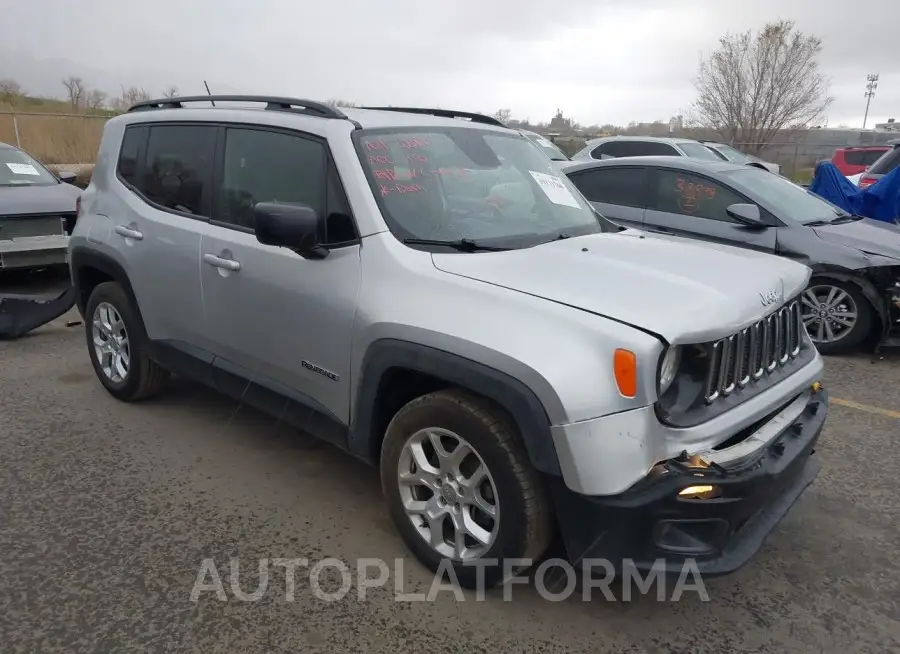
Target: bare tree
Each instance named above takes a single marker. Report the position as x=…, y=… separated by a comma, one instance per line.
x=76, y=89
x=503, y=115
x=752, y=86
x=130, y=96
x=340, y=103
x=10, y=91
x=170, y=92
x=96, y=99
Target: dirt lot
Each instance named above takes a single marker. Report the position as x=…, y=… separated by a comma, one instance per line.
x=108, y=510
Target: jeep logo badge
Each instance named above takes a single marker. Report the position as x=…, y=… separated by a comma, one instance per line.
x=769, y=297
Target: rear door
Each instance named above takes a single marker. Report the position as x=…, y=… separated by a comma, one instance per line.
x=167, y=169
x=694, y=206
x=617, y=192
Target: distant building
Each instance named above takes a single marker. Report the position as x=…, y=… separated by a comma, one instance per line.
x=889, y=126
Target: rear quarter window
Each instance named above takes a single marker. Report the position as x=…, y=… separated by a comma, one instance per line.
x=862, y=157
x=132, y=144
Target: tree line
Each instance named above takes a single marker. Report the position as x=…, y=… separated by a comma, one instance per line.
x=80, y=97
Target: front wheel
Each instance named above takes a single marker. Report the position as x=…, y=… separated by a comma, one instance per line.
x=459, y=487
x=837, y=316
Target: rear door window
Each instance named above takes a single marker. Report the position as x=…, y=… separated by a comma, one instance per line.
x=862, y=157
x=633, y=149
x=178, y=168
x=621, y=186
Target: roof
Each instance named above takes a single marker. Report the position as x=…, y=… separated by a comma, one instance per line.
x=278, y=109
x=374, y=118
x=654, y=139
x=681, y=163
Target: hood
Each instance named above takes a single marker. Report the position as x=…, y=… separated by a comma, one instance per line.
x=18, y=200
x=866, y=235
x=682, y=290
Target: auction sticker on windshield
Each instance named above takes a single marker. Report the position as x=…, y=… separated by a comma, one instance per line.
x=555, y=190
x=22, y=169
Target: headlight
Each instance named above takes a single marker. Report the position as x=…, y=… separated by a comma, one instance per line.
x=668, y=368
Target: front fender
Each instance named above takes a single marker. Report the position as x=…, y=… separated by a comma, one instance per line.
x=520, y=401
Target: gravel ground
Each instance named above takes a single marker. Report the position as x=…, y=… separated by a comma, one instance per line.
x=107, y=512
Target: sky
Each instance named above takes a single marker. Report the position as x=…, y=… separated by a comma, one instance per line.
x=599, y=61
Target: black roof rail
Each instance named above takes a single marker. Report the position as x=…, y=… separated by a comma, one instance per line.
x=443, y=113
x=296, y=105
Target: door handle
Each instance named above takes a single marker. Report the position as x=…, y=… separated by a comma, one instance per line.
x=218, y=262
x=128, y=232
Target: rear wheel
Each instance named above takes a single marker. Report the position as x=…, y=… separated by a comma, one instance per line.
x=837, y=316
x=459, y=487
x=117, y=345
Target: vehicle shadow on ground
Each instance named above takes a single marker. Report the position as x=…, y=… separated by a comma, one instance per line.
x=344, y=479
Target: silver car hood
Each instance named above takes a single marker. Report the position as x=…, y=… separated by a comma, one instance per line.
x=682, y=290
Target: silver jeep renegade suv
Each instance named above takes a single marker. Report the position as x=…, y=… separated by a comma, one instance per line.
x=422, y=289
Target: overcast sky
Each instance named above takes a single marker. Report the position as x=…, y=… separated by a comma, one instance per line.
x=600, y=61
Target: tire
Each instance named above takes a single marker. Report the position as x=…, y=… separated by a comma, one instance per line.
x=143, y=377
x=847, y=298
x=524, y=526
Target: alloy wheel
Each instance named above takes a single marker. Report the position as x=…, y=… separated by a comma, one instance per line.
x=448, y=494
x=829, y=313
x=111, y=343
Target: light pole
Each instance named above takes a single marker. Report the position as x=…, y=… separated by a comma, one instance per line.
x=871, y=85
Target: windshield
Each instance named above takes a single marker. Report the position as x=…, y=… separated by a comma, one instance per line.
x=549, y=147
x=734, y=156
x=467, y=183
x=697, y=151
x=18, y=169
x=785, y=199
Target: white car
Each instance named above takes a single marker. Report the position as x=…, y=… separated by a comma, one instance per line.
x=855, y=178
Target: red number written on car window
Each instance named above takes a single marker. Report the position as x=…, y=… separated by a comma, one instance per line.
x=691, y=194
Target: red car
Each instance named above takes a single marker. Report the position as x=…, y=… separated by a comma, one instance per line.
x=855, y=160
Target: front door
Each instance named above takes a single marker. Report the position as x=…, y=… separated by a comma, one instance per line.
x=693, y=206
x=275, y=318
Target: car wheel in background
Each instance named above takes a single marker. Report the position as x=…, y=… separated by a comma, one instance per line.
x=117, y=345
x=837, y=315
x=460, y=487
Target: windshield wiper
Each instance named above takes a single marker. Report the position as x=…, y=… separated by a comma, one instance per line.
x=461, y=244
x=846, y=218
x=839, y=220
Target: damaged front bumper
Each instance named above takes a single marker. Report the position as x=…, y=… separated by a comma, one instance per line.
x=715, y=509
x=33, y=251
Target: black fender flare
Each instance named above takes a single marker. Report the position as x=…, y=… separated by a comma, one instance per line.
x=867, y=287
x=511, y=394
x=82, y=258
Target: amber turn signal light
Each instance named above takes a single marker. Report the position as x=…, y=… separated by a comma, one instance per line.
x=625, y=370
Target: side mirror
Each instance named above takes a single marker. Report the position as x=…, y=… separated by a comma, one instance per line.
x=292, y=226
x=67, y=177
x=746, y=214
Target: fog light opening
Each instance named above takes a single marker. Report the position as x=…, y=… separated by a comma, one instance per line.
x=701, y=492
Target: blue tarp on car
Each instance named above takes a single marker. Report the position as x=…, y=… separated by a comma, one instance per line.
x=881, y=201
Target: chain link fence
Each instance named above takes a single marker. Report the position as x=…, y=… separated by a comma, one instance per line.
x=69, y=139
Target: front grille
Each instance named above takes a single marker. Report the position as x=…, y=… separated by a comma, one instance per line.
x=747, y=356
x=26, y=226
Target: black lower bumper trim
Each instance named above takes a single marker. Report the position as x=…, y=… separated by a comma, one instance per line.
x=650, y=526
